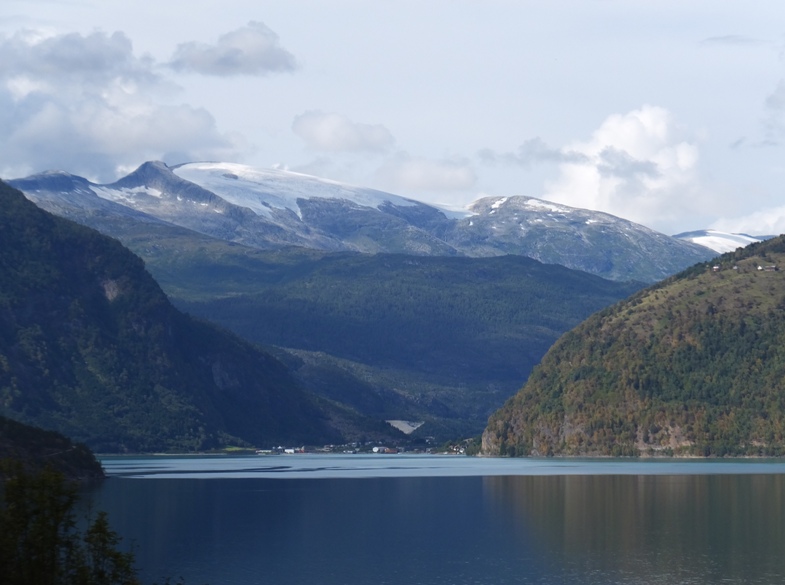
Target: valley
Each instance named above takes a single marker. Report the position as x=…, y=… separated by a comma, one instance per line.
x=386, y=308
x=439, y=339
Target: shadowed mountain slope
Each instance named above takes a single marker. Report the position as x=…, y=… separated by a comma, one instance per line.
x=37, y=449
x=91, y=347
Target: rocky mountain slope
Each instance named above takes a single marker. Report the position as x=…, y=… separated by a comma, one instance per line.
x=693, y=365
x=594, y=242
x=91, y=347
x=272, y=209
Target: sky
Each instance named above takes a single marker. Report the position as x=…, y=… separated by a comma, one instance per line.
x=667, y=113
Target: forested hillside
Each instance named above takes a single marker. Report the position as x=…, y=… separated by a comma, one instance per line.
x=37, y=449
x=693, y=365
x=91, y=347
x=442, y=340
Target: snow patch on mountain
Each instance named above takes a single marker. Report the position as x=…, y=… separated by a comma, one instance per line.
x=540, y=204
x=125, y=196
x=499, y=203
x=262, y=190
x=720, y=242
x=268, y=208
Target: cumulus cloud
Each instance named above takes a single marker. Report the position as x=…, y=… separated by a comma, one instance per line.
x=335, y=133
x=86, y=104
x=251, y=50
x=94, y=59
x=635, y=166
x=766, y=222
x=408, y=173
x=612, y=162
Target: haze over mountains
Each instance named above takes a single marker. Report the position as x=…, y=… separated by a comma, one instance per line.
x=270, y=209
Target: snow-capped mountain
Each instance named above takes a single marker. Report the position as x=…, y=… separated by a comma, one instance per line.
x=591, y=241
x=266, y=190
x=720, y=242
x=273, y=208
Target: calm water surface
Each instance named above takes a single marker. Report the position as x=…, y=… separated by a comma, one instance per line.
x=355, y=519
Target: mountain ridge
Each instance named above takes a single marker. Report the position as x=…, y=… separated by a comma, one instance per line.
x=272, y=209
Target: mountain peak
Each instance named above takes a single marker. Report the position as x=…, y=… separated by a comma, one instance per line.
x=265, y=190
x=269, y=208
x=52, y=181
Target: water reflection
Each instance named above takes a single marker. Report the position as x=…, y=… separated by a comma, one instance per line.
x=526, y=529
x=431, y=531
x=652, y=529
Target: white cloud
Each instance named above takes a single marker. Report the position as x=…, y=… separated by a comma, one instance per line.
x=637, y=167
x=87, y=104
x=408, y=173
x=766, y=222
x=91, y=60
x=251, y=50
x=335, y=133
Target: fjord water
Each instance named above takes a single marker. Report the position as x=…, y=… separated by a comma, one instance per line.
x=447, y=520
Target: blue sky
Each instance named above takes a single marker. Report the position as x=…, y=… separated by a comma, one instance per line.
x=671, y=114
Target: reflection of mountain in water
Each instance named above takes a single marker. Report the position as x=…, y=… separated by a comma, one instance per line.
x=653, y=529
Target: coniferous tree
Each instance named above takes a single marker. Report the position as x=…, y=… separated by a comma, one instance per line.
x=40, y=542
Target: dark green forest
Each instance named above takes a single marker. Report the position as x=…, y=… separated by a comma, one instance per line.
x=694, y=365
x=42, y=541
x=38, y=449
